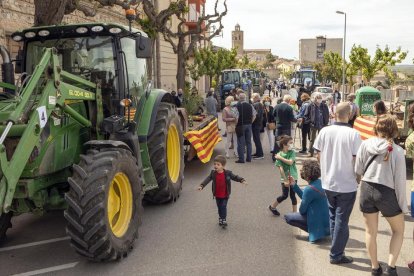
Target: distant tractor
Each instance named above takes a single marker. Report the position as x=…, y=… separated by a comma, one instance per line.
x=84, y=132
x=257, y=82
x=305, y=79
x=229, y=80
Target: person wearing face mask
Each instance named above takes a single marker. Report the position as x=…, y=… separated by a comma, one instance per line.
x=230, y=117
x=180, y=95
x=318, y=115
x=286, y=163
x=257, y=126
x=331, y=105
x=313, y=215
x=269, y=122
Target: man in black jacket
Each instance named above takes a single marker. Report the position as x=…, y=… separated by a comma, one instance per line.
x=317, y=114
x=247, y=115
x=283, y=113
x=257, y=126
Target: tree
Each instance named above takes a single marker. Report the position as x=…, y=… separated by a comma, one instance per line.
x=178, y=39
x=350, y=72
x=333, y=62
x=210, y=63
x=369, y=66
x=331, y=67
x=51, y=12
x=270, y=58
x=244, y=62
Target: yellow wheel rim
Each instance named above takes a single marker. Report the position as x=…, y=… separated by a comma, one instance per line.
x=119, y=204
x=173, y=153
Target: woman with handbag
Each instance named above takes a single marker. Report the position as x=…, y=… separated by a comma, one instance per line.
x=381, y=163
x=269, y=123
x=230, y=116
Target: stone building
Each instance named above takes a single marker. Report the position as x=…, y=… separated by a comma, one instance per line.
x=311, y=50
x=257, y=55
x=19, y=14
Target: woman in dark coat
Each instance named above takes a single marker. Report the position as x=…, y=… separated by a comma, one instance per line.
x=268, y=121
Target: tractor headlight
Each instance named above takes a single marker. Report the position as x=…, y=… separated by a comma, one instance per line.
x=30, y=34
x=43, y=33
x=97, y=29
x=81, y=30
x=17, y=38
x=115, y=30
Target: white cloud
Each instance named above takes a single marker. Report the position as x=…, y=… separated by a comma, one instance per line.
x=279, y=24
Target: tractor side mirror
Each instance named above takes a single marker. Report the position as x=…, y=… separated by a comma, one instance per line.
x=18, y=69
x=143, y=47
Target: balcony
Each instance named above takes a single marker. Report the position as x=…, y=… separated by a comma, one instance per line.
x=195, y=7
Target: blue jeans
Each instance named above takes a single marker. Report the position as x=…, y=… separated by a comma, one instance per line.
x=222, y=207
x=297, y=220
x=257, y=142
x=340, y=208
x=245, y=141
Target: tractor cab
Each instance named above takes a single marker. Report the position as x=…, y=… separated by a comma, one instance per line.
x=96, y=53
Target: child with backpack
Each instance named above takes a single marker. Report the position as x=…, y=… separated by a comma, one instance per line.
x=221, y=186
x=286, y=162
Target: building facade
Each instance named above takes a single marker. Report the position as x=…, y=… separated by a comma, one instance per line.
x=311, y=50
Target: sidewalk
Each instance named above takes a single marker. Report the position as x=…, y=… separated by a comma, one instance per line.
x=314, y=258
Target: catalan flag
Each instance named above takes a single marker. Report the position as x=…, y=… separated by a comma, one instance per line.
x=204, y=140
x=365, y=127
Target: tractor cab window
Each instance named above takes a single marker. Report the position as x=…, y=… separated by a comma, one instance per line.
x=90, y=58
x=135, y=71
x=87, y=57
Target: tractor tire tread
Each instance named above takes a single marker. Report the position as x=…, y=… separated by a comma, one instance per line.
x=90, y=233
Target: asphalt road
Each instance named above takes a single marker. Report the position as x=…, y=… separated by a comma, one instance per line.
x=183, y=238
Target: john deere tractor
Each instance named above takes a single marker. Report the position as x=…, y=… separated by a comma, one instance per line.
x=83, y=131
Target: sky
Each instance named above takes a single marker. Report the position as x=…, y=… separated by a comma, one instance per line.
x=280, y=24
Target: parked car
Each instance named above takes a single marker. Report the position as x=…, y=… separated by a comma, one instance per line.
x=324, y=91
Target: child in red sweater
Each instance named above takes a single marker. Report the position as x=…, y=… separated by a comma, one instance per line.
x=221, y=186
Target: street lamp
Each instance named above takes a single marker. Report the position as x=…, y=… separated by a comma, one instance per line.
x=343, y=65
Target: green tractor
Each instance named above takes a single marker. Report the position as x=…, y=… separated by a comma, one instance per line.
x=84, y=132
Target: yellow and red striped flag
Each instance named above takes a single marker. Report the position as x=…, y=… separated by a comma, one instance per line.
x=365, y=127
x=204, y=140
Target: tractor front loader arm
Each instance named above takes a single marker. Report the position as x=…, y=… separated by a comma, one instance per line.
x=53, y=95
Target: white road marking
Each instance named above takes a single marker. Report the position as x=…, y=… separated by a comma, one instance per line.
x=47, y=270
x=32, y=244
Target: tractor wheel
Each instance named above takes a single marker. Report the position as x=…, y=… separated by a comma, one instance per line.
x=5, y=224
x=166, y=150
x=104, y=204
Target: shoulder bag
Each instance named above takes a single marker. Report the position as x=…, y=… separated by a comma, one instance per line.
x=271, y=125
x=370, y=162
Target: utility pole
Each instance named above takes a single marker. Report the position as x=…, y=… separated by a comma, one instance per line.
x=343, y=58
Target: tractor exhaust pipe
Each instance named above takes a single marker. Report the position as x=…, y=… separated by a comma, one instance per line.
x=7, y=69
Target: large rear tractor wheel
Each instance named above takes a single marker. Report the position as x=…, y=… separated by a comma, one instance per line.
x=104, y=204
x=166, y=151
x=5, y=224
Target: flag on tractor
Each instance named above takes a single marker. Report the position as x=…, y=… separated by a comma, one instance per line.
x=204, y=140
